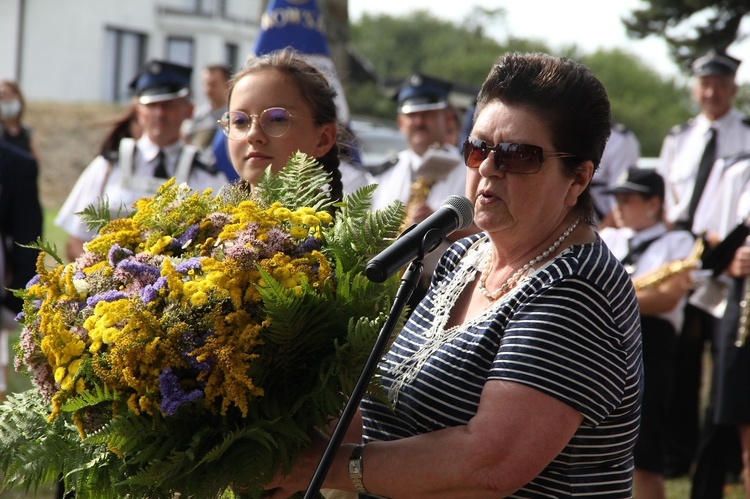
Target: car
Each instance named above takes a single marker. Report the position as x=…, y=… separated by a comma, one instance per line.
x=648, y=162
x=378, y=141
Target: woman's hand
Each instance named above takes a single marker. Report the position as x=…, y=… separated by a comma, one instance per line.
x=740, y=266
x=283, y=485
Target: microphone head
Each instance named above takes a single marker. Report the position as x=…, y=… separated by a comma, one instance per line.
x=463, y=208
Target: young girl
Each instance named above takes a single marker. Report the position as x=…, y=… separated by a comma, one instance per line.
x=643, y=244
x=278, y=105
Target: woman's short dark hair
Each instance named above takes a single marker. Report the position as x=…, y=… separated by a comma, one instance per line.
x=316, y=92
x=564, y=94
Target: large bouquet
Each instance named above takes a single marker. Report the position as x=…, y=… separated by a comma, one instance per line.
x=197, y=342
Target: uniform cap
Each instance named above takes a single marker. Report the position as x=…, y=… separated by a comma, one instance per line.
x=640, y=181
x=715, y=63
x=161, y=80
x=422, y=93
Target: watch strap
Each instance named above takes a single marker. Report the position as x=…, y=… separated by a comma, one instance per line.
x=356, y=469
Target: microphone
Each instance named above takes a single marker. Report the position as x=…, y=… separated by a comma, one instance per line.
x=456, y=213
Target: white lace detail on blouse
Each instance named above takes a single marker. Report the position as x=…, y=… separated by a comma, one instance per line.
x=443, y=300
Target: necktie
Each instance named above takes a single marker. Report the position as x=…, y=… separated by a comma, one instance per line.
x=708, y=158
x=161, y=166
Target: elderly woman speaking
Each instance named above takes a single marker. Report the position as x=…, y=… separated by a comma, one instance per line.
x=520, y=372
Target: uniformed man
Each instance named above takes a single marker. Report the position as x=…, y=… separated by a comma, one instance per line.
x=688, y=163
x=717, y=131
x=423, y=116
x=431, y=169
x=162, y=91
x=622, y=152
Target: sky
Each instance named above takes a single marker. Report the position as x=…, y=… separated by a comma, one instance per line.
x=590, y=24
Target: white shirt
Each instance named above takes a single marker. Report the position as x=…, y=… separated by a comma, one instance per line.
x=354, y=177
x=681, y=154
x=622, y=152
x=720, y=213
x=395, y=182
x=100, y=179
x=670, y=246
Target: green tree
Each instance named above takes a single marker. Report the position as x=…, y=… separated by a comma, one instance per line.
x=463, y=53
x=689, y=28
x=640, y=98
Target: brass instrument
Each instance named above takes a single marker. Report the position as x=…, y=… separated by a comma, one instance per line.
x=420, y=189
x=658, y=276
x=436, y=165
x=744, y=323
x=743, y=328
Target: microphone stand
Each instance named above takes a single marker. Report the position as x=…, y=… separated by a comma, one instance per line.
x=408, y=284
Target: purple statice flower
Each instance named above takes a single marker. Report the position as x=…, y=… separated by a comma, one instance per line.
x=188, y=265
x=79, y=275
x=190, y=234
x=141, y=274
x=20, y=316
x=190, y=341
x=111, y=295
x=151, y=291
x=117, y=253
x=173, y=395
x=308, y=245
x=176, y=244
x=32, y=281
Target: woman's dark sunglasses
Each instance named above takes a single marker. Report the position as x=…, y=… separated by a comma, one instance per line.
x=509, y=157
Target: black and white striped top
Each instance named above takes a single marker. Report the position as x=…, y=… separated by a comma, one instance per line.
x=570, y=330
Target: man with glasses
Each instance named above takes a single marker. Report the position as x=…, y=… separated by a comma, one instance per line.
x=430, y=170
x=162, y=91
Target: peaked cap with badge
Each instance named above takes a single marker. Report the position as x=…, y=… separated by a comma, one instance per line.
x=422, y=93
x=715, y=62
x=160, y=81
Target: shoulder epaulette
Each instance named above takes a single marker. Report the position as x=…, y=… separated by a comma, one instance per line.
x=620, y=128
x=111, y=156
x=385, y=165
x=199, y=164
x=679, y=128
x=736, y=158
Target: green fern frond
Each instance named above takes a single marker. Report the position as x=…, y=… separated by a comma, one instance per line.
x=357, y=203
x=89, y=398
x=355, y=240
x=44, y=246
x=96, y=217
x=303, y=182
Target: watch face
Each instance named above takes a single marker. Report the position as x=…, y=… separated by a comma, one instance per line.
x=354, y=467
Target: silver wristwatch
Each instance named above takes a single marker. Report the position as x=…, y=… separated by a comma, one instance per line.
x=356, y=467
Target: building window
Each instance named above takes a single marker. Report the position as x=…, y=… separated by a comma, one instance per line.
x=180, y=50
x=125, y=54
x=231, y=54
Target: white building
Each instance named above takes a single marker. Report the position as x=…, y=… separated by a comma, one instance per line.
x=90, y=50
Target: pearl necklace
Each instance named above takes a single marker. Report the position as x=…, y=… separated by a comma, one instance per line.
x=512, y=280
